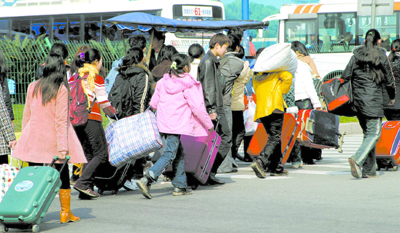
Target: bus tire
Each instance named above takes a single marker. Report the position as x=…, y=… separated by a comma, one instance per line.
x=332, y=75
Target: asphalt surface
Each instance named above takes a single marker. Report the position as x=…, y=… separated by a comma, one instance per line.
x=315, y=198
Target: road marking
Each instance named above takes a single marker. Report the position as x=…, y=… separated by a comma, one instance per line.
x=320, y=172
x=237, y=176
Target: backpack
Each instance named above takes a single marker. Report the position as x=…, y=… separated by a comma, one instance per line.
x=121, y=97
x=78, y=112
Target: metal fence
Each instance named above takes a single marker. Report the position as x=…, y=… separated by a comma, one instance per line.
x=23, y=57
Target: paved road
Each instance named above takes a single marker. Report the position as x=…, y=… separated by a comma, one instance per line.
x=316, y=198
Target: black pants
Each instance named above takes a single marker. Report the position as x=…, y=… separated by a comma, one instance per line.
x=272, y=153
x=226, y=141
x=238, y=131
x=94, y=144
x=64, y=175
x=392, y=114
x=3, y=159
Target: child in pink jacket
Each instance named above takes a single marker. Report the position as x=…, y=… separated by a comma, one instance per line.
x=179, y=102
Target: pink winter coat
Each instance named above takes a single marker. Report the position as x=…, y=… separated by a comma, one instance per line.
x=180, y=106
x=46, y=130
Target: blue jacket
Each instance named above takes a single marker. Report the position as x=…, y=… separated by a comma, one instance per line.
x=109, y=82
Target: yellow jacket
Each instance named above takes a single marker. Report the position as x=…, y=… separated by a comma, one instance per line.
x=270, y=91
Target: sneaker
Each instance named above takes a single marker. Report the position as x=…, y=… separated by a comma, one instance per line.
x=297, y=165
x=281, y=173
x=144, y=187
x=234, y=164
x=258, y=169
x=376, y=175
x=130, y=185
x=89, y=192
x=181, y=192
x=355, y=169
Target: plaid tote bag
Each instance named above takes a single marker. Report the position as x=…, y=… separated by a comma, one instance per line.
x=133, y=138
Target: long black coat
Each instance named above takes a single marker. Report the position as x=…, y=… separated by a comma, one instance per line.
x=396, y=72
x=367, y=93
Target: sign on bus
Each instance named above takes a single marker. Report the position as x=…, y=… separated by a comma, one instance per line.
x=197, y=11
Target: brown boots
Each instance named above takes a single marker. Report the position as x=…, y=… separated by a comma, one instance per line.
x=65, y=201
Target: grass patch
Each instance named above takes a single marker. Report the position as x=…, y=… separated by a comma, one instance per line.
x=343, y=119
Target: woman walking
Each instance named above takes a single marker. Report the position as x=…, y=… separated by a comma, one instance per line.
x=46, y=128
x=369, y=71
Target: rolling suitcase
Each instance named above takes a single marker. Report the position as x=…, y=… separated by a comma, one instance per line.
x=29, y=197
x=388, y=146
x=290, y=130
x=200, y=153
x=110, y=178
x=319, y=129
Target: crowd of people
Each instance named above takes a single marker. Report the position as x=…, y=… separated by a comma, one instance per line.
x=190, y=94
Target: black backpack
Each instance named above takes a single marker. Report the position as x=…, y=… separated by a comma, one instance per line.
x=121, y=97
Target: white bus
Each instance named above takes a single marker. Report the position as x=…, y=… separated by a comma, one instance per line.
x=336, y=29
x=84, y=19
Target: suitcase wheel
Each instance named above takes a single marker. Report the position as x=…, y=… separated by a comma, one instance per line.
x=35, y=228
x=395, y=168
x=3, y=228
x=100, y=191
x=387, y=168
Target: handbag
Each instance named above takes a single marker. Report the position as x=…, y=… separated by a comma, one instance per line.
x=338, y=97
x=132, y=138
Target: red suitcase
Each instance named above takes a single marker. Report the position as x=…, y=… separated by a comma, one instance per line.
x=290, y=130
x=319, y=129
x=388, y=146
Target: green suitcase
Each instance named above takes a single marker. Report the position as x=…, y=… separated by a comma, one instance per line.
x=29, y=197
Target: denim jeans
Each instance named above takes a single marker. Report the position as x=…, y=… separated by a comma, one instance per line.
x=173, y=154
x=365, y=155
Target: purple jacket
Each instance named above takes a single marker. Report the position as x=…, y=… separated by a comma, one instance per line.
x=180, y=106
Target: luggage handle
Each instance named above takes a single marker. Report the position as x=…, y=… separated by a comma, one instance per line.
x=309, y=126
x=55, y=158
x=388, y=125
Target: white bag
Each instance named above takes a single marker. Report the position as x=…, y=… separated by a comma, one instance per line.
x=248, y=116
x=276, y=58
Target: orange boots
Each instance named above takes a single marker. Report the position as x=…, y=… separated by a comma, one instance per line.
x=65, y=201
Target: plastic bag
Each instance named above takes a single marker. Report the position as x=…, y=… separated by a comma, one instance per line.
x=248, y=116
x=276, y=58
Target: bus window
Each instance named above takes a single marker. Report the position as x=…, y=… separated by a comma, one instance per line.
x=60, y=29
x=303, y=31
x=3, y=28
x=338, y=31
x=40, y=27
x=74, y=27
x=21, y=27
x=386, y=25
x=92, y=28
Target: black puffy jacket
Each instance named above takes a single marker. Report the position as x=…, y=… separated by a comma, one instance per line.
x=139, y=79
x=396, y=72
x=367, y=93
x=209, y=75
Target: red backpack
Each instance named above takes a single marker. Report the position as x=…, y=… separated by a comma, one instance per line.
x=78, y=110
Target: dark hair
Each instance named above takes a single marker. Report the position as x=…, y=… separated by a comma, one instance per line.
x=220, y=39
x=159, y=35
x=372, y=52
x=54, y=73
x=181, y=61
x=395, y=47
x=133, y=56
x=300, y=47
x=60, y=49
x=250, y=38
x=259, y=51
x=77, y=59
x=240, y=53
x=89, y=57
x=3, y=68
x=235, y=41
x=237, y=32
x=137, y=41
x=166, y=52
x=195, y=51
